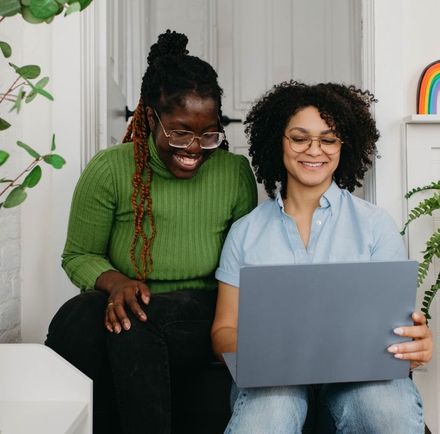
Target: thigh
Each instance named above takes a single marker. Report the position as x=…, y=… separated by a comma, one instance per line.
x=181, y=320
x=383, y=406
x=275, y=410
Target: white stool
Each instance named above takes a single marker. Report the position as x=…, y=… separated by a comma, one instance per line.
x=41, y=393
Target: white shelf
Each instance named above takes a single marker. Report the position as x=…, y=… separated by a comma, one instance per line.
x=422, y=119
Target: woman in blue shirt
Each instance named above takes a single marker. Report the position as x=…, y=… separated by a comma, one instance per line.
x=311, y=146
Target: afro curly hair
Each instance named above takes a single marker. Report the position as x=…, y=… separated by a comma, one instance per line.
x=344, y=108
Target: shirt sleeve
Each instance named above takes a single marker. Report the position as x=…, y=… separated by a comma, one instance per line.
x=388, y=244
x=246, y=199
x=91, y=219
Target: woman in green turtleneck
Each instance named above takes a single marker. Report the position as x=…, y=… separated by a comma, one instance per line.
x=146, y=228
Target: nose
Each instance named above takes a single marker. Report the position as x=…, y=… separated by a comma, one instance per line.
x=315, y=147
x=195, y=145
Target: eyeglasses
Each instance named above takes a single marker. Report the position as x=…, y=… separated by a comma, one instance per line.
x=300, y=143
x=183, y=138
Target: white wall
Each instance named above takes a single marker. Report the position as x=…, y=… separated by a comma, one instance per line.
x=10, y=234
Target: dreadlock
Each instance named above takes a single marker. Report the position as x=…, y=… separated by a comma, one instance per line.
x=171, y=74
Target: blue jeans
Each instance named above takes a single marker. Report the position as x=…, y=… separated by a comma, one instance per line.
x=385, y=407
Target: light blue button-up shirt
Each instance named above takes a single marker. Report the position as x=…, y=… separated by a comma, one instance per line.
x=344, y=228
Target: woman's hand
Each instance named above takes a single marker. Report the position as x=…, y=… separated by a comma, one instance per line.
x=122, y=291
x=419, y=350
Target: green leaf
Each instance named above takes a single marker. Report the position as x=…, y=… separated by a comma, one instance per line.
x=3, y=157
x=31, y=96
x=32, y=152
x=6, y=49
x=73, y=7
x=4, y=125
x=53, y=146
x=27, y=16
x=29, y=71
x=33, y=178
x=61, y=2
x=43, y=9
x=84, y=3
x=17, y=103
x=55, y=160
x=25, y=2
x=15, y=197
x=8, y=8
x=43, y=92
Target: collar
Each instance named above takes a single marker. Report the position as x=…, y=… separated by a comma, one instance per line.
x=330, y=198
x=155, y=162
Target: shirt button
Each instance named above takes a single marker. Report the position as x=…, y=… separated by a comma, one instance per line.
x=318, y=222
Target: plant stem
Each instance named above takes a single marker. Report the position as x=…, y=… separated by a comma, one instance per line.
x=29, y=168
x=10, y=89
x=18, y=85
x=2, y=18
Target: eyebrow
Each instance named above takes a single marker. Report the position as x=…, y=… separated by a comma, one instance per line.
x=303, y=130
x=185, y=127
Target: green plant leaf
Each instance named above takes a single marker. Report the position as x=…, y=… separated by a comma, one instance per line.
x=53, y=146
x=31, y=96
x=3, y=157
x=33, y=178
x=73, y=7
x=27, y=16
x=32, y=152
x=8, y=8
x=25, y=2
x=43, y=9
x=55, y=160
x=17, y=103
x=29, y=71
x=61, y=2
x=6, y=49
x=43, y=92
x=4, y=125
x=15, y=197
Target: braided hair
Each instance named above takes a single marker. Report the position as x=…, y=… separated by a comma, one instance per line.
x=344, y=108
x=171, y=74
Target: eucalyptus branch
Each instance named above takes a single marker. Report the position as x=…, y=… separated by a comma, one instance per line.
x=11, y=88
x=28, y=169
x=2, y=18
x=23, y=83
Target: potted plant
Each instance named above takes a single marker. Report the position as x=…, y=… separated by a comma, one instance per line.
x=24, y=89
x=432, y=250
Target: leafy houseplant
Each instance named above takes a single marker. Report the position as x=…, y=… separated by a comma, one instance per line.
x=432, y=250
x=24, y=89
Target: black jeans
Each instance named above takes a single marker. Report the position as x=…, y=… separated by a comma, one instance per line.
x=139, y=365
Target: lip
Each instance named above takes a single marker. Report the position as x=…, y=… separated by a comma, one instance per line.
x=313, y=165
x=187, y=162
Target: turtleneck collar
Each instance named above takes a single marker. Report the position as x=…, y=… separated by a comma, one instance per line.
x=156, y=163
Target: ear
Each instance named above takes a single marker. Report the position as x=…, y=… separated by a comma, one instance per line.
x=151, y=117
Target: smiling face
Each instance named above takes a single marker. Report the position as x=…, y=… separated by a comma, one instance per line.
x=196, y=114
x=311, y=168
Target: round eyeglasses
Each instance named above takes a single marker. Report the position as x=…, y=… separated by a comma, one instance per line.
x=184, y=139
x=328, y=144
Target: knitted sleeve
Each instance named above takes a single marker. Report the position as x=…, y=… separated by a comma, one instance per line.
x=246, y=199
x=90, y=224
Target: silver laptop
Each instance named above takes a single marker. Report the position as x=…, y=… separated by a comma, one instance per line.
x=321, y=323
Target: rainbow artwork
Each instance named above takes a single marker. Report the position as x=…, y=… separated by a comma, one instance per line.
x=428, y=93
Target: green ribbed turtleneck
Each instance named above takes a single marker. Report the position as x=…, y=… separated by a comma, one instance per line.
x=192, y=218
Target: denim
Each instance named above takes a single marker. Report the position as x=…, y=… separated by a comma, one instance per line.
x=140, y=363
x=383, y=407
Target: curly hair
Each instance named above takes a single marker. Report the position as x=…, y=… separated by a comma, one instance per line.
x=170, y=76
x=344, y=108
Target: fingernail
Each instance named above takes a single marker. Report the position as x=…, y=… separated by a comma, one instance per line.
x=143, y=316
x=117, y=329
x=398, y=331
x=126, y=325
x=398, y=356
x=392, y=349
x=147, y=300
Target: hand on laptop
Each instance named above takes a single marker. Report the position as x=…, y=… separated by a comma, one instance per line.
x=419, y=350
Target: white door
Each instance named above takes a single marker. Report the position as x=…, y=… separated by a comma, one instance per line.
x=263, y=42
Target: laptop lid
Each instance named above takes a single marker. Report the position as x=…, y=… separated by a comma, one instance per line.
x=322, y=323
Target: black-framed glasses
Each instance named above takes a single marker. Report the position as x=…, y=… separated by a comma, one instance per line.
x=184, y=139
x=301, y=142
